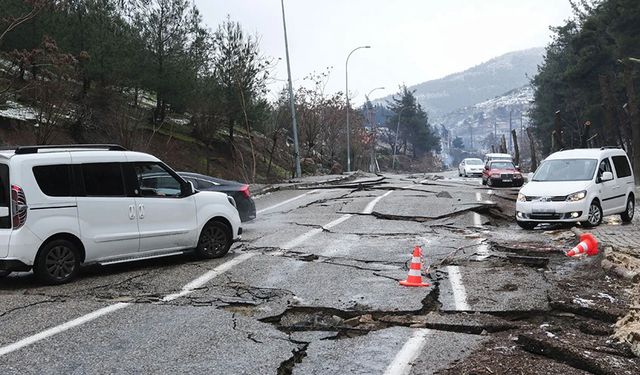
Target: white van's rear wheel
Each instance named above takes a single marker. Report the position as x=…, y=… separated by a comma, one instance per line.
x=627, y=215
x=57, y=262
x=215, y=240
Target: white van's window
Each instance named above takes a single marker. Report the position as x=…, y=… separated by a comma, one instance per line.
x=566, y=170
x=155, y=181
x=53, y=180
x=103, y=180
x=623, y=169
x=604, y=166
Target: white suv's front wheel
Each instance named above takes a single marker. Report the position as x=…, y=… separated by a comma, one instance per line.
x=627, y=215
x=594, y=218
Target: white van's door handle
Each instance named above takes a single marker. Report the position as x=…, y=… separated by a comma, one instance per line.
x=132, y=212
x=141, y=211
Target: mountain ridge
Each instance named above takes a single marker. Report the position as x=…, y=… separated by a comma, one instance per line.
x=480, y=83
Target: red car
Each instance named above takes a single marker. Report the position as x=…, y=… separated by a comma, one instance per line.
x=501, y=173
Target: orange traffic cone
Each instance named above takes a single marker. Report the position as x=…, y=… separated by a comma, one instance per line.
x=415, y=274
x=588, y=245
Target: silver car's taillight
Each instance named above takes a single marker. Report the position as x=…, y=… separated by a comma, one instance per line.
x=19, y=206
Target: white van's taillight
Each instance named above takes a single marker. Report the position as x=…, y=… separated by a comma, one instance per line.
x=19, y=205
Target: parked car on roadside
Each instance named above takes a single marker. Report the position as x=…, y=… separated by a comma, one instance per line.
x=501, y=173
x=470, y=167
x=580, y=185
x=64, y=206
x=239, y=191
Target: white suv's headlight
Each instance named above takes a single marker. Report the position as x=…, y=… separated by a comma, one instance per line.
x=575, y=197
x=522, y=197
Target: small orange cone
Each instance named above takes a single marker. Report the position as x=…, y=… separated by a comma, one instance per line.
x=415, y=274
x=588, y=245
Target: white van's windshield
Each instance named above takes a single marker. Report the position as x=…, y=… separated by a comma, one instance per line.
x=566, y=170
x=474, y=162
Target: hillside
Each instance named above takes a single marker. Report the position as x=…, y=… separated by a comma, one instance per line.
x=490, y=117
x=479, y=83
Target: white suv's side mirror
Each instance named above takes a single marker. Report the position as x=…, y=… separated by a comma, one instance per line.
x=4, y=211
x=529, y=176
x=606, y=176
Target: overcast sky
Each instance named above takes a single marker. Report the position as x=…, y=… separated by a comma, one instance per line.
x=412, y=41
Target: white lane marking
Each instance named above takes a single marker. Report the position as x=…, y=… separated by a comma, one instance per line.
x=287, y=201
x=61, y=328
x=483, y=251
x=369, y=209
x=187, y=289
x=206, y=277
x=477, y=219
x=303, y=237
x=403, y=361
x=459, y=292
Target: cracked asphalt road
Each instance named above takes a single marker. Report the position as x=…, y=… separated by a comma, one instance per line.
x=313, y=288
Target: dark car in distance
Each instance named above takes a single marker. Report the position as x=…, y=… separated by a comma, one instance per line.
x=239, y=191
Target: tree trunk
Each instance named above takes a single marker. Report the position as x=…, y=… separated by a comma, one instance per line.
x=230, y=124
x=557, y=125
x=503, y=145
x=516, y=149
x=634, y=118
x=532, y=143
x=613, y=135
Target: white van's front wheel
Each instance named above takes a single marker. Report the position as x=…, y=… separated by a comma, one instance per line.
x=595, y=215
x=215, y=240
x=627, y=215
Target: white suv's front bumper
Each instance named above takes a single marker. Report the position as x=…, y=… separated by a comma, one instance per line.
x=548, y=212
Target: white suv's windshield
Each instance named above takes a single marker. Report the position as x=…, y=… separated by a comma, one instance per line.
x=474, y=162
x=566, y=170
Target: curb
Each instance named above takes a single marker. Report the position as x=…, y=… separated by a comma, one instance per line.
x=295, y=185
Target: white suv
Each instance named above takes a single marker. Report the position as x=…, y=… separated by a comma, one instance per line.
x=580, y=185
x=63, y=206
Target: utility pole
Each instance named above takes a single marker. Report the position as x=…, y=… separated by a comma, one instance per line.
x=510, y=130
x=292, y=101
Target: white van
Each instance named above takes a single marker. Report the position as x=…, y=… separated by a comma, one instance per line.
x=580, y=185
x=63, y=206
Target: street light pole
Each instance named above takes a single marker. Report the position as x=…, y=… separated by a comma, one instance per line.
x=346, y=76
x=395, y=144
x=291, y=97
x=373, y=130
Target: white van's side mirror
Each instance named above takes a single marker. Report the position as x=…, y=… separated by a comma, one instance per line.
x=4, y=211
x=606, y=176
x=529, y=176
